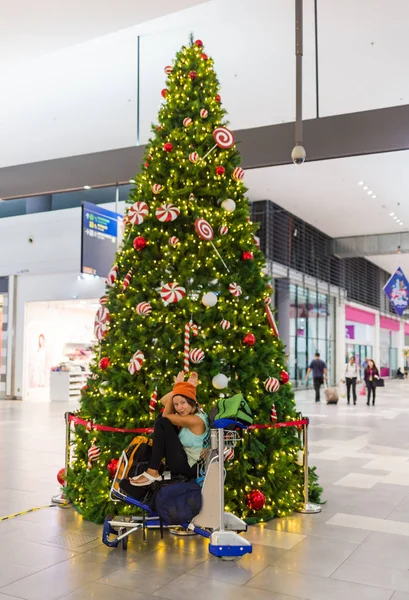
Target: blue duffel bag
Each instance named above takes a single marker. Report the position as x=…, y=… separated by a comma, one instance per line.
x=178, y=503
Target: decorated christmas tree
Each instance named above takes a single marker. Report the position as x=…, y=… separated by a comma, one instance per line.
x=188, y=291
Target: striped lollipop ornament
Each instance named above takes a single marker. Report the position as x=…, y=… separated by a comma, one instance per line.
x=189, y=327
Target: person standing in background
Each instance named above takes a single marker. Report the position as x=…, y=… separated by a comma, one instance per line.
x=371, y=375
x=319, y=373
x=351, y=378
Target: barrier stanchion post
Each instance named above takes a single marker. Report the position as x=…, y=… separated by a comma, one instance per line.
x=60, y=498
x=308, y=507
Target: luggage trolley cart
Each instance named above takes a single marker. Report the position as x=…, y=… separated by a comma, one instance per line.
x=221, y=528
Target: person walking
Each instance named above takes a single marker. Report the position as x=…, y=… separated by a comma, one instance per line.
x=370, y=376
x=351, y=378
x=319, y=373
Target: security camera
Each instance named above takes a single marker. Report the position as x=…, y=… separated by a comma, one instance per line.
x=298, y=155
x=31, y=240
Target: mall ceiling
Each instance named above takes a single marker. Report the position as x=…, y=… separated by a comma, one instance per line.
x=49, y=26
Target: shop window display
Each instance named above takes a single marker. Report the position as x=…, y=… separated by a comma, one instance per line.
x=59, y=337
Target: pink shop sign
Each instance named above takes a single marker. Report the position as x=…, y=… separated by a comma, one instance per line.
x=350, y=332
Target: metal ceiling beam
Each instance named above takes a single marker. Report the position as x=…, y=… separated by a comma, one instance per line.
x=370, y=245
x=371, y=132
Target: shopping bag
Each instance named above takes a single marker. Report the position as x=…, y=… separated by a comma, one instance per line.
x=379, y=382
x=363, y=390
x=342, y=389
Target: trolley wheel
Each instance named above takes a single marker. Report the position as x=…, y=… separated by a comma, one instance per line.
x=125, y=539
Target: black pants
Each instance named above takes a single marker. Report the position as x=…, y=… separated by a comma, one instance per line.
x=351, y=383
x=318, y=381
x=370, y=387
x=166, y=444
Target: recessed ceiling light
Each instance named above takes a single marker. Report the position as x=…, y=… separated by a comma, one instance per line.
x=370, y=192
x=396, y=218
x=391, y=214
x=374, y=196
x=401, y=223
x=87, y=187
x=361, y=183
x=365, y=187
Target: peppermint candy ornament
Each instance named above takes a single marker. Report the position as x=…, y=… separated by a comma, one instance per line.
x=167, y=213
x=157, y=188
x=137, y=213
x=173, y=241
x=101, y=323
x=187, y=122
x=112, y=275
x=168, y=69
x=136, y=362
x=238, y=174
x=93, y=454
x=223, y=230
x=272, y=384
x=194, y=157
x=225, y=324
x=143, y=309
x=235, y=289
x=196, y=356
x=172, y=292
x=103, y=300
x=204, y=113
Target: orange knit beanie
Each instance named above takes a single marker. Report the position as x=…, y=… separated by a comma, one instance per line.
x=183, y=388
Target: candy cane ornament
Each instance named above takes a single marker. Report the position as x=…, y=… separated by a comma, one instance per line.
x=153, y=402
x=112, y=275
x=93, y=454
x=127, y=280
x=190, y=326
x=273, y=414
x=270, y=317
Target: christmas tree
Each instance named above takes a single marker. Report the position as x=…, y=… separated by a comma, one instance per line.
x=188, y=290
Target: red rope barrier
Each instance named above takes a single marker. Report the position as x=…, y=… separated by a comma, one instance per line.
x=89, y=425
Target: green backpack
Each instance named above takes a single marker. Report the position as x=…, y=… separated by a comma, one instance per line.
x=235, y=408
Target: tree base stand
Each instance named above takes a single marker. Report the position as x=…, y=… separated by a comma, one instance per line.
x=60, y=499
x=182, y=531
x=310, y=509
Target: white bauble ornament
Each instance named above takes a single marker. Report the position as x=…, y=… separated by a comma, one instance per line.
x=209, y=299
x=229, y=205
x=300, y=458
x=220, y=381
x=103, y=388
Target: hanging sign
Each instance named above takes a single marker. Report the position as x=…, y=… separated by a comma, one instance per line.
x=397, y=290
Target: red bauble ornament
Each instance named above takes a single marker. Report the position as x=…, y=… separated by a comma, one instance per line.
x=255, y=500
x=220, y=170
x=249, y=339
x=204, y=56
x=217, y=98
x=146, y=164
x=168, y=147
x=193, y=75
x=246, y=255
x=112, y=467
x=284, y=376
x=199, y=43
x=104, y=363
x=140, y=243
x=61, y=476
x=164, y=93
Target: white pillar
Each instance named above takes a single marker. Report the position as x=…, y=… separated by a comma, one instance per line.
x=340, y=339
x=377, y=340
x=401, y=344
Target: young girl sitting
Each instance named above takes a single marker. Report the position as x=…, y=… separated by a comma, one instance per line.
x=179, y=435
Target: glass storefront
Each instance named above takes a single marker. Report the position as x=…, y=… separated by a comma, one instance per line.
x=360, y=352
x=389, y=353
x=4, y=298
x=312, y=329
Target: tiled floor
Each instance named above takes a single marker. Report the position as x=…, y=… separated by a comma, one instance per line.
x=356, y=549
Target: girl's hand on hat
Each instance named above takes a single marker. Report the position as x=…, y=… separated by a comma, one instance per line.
x=193, y=379
x=180, y=377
